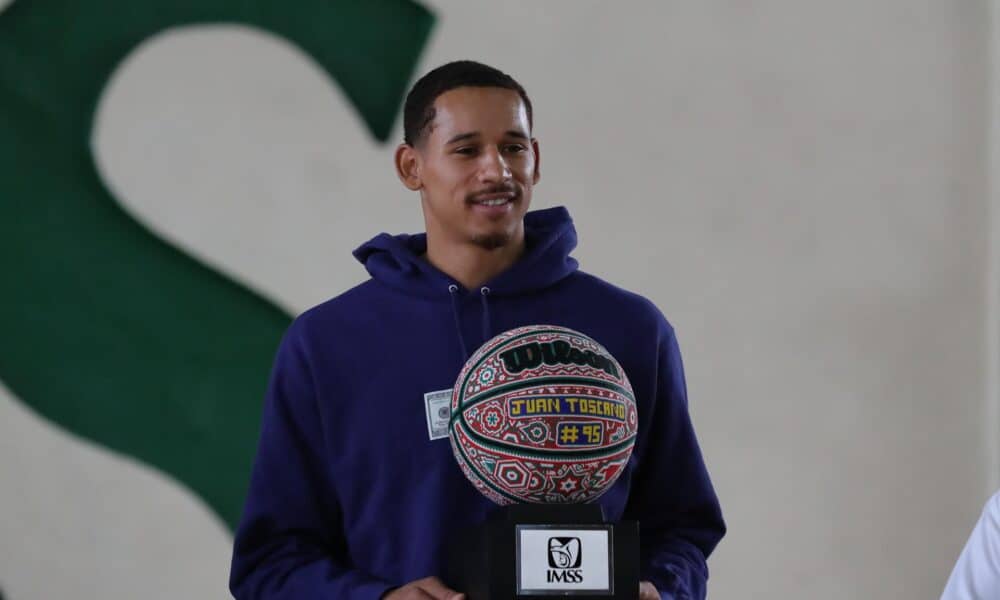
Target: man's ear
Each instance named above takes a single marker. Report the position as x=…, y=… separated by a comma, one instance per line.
x=408, y=167
x=538, y=161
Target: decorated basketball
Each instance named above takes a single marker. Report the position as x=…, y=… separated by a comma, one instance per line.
x=542, y=414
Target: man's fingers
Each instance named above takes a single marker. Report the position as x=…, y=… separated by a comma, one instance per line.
x=647, y=591
x=417, y=593
x=438, y=590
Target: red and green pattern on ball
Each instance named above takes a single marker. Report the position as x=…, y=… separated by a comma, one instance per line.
x=512, y=454
x=493, y=423
x=486, y=358
x=566, y=480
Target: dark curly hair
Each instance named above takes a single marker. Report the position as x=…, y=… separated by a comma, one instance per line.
x=418, y=111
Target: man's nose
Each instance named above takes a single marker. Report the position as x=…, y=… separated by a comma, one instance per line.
x=494, y=168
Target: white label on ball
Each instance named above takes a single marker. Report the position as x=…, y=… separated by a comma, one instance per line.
x=438, y=405
x=564, y=560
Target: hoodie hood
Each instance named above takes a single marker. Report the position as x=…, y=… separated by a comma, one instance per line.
x=549, y=235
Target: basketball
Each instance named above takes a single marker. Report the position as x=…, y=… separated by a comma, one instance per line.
x=542, y=414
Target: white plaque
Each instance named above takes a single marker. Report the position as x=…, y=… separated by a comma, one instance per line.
x=572, y=559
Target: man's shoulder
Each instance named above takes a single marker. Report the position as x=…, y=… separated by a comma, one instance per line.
x=339, y=310
x=608, y=296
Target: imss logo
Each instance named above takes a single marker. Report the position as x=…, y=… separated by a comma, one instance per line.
x=564, y=560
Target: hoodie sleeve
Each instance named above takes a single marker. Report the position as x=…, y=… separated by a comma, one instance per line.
x=289, y=544
x=680, y=521
x=977, y=572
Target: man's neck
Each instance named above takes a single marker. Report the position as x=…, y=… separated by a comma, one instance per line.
x=469, y=264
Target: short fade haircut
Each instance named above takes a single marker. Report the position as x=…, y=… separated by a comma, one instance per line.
x=418, y=110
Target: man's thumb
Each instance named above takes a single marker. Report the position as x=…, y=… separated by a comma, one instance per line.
x=434, y=587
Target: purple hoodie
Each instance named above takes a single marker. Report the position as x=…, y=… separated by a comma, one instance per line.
x=349, y=496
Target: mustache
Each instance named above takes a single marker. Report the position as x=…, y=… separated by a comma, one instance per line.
x=497, y=189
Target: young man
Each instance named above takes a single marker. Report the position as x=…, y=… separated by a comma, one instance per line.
x=349, y=498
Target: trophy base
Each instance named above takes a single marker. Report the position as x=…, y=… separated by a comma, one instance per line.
x=539, y=551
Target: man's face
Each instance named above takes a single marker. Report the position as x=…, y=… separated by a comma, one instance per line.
x=477, y=166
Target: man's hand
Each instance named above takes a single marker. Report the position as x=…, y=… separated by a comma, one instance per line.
x=428, y=588
x=647, y=591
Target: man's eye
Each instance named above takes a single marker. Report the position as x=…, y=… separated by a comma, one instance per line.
x=466, y=150
x=516, y=148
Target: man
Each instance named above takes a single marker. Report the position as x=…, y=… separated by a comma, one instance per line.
x=976, y=575
x=349, y=498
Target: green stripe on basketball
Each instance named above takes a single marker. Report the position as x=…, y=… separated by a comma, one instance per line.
x=483, y=477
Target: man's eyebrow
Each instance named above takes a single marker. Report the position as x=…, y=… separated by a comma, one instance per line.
x=514, y=133
x=462, y=136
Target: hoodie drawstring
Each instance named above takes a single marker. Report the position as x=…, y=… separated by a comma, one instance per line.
x=484, y=292
x=453, y=292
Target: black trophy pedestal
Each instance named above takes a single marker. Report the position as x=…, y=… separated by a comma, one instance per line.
x=541, y=551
